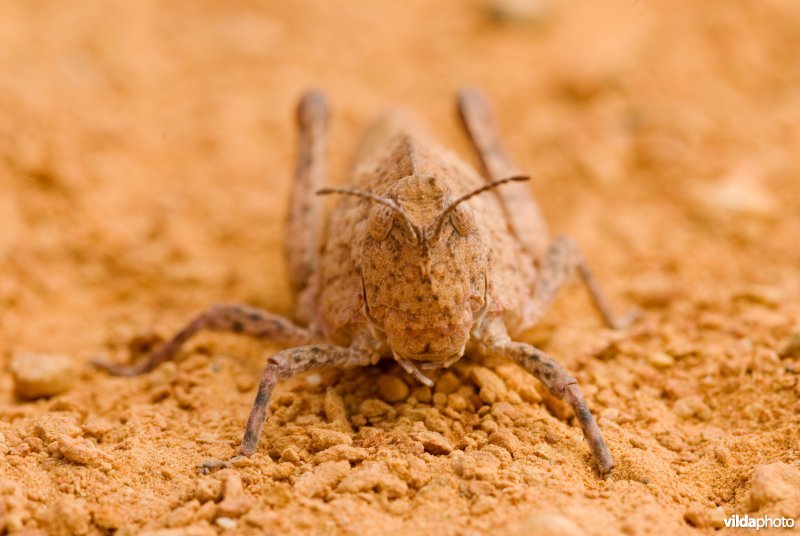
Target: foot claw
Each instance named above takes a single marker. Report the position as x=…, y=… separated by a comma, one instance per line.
x=116, y=370
x=605, y=468
x=214, y=464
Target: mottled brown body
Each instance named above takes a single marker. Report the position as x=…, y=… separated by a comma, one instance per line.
x=400, y=152
x=421, y=260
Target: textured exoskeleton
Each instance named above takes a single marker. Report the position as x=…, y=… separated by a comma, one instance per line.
x=422, y=260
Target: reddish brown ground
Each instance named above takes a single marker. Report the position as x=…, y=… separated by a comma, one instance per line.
x=145, y=160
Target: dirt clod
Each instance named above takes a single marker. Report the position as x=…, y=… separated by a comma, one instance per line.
x=83, y=452
x=66, y=517
x=322, y=439
x=323, y=479
x=548, y=524
x=692, y=406
x=373, y=477
x=42, y=375
x=491, y=386
x=774, y=483
x=234, y=501
x=434, y=442
x=476, y=464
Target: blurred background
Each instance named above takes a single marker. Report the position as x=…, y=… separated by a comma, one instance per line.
x=146, y=154
x=142, y=139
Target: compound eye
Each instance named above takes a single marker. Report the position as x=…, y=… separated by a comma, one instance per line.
x=380, y=222
x=463, y=219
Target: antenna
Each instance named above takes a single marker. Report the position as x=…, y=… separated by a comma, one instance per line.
x=436, y=226
x=414, y=231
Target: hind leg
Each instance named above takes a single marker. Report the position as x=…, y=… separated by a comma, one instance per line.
x=521, y=208
x=305, y=219
x=557, y=260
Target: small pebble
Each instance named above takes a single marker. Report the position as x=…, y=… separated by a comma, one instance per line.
x=544, y=451
x=504, y=409
x=506, y=440
x=661, y=360
x=792, y=347
x=422, y=394
x=612, y=414
x=656, y=291
x=83, y=452
x=479, y=487
x=434, y=442
x=547, y=524
x=696, y=517
x=520, y=11
x=457, y=402
x=392, y=388
x=766, y=296
x=447, y=383
x=226, y=523
x=692, y=406
x=41, y=375
x=741, y=191
x=372, y=407
x=716, y=518
x=490, y=384
x=638, y=443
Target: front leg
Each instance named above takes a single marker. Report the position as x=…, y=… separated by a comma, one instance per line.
x=234, y=318
x=561, y=385
x=282, y=366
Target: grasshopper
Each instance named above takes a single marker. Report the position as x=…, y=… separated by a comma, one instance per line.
x=414, y=264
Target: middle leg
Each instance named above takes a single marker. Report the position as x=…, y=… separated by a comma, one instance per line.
x=234, y=318
x=562, y=257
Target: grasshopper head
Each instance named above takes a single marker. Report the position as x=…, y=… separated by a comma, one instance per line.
x=424, y=268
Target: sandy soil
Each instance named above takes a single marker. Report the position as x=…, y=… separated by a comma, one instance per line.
x=145, y=161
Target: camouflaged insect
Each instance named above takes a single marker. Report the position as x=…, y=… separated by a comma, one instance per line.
x=413, y=265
